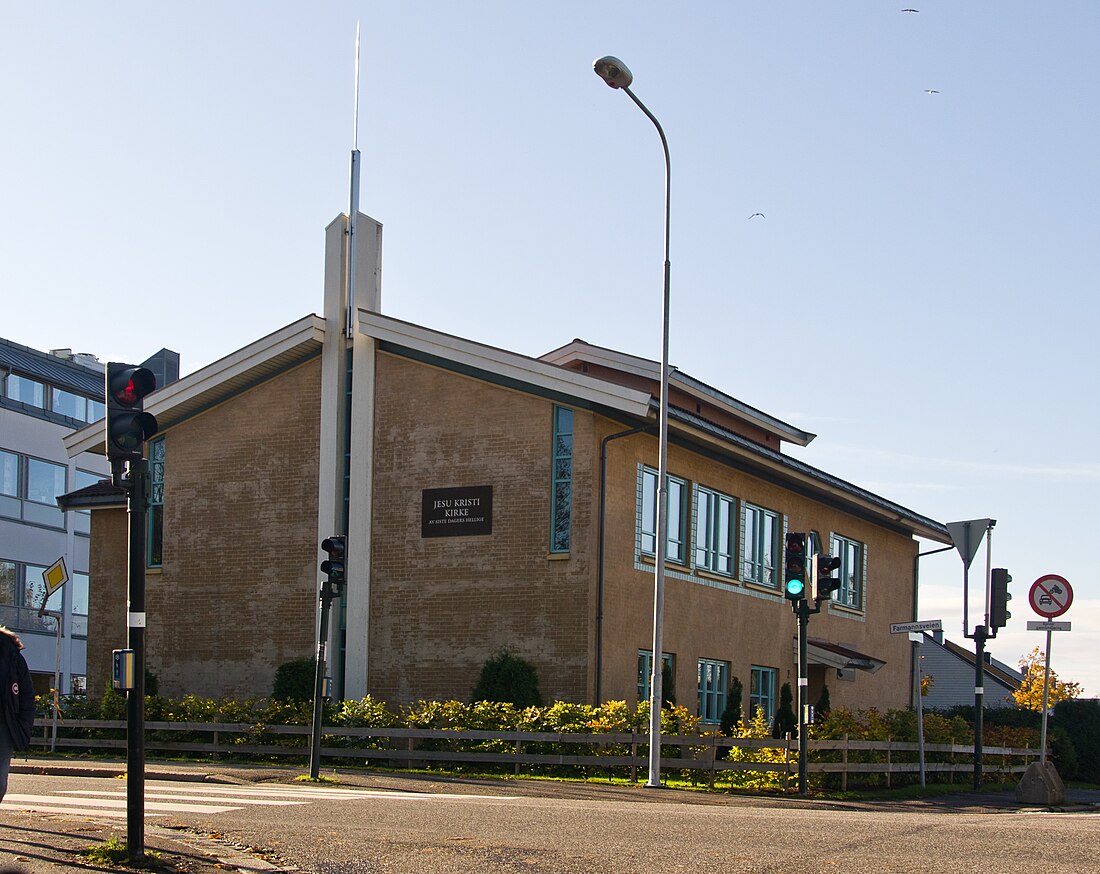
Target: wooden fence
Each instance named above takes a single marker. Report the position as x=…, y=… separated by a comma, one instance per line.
x=703, y=757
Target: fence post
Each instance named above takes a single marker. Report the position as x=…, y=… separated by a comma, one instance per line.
x=713, y=756
x=519, y=752
x=844, y=759
x=889, y=760
x=633, y=755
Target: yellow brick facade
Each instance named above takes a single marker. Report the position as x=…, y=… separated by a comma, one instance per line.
x=236, y=596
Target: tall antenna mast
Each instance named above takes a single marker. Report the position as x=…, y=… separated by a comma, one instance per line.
x=353, y=204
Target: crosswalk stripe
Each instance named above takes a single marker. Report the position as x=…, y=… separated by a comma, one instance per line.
x=169, y=796
x=165, y=797
x=116, y=803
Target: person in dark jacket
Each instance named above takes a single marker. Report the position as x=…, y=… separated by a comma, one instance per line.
x=16, y=703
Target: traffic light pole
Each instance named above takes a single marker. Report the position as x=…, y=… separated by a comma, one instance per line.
x=319, y=682
x=980, y=636
x=138, y=488
x=803, y=612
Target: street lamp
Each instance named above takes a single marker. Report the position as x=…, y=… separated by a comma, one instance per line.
x=615, y=73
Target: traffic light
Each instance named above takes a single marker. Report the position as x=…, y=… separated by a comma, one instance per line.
x=333, y=566
x=128, y=425
x=795, y=567
x=821, y=573
x=999, y=596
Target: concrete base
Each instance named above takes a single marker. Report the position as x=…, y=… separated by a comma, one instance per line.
x=1041, y=785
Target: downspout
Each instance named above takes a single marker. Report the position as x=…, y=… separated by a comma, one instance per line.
x=599, y=553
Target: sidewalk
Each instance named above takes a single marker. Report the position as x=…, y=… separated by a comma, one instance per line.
x=35, y=843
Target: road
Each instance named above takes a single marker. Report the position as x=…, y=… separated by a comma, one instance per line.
x=511, y=827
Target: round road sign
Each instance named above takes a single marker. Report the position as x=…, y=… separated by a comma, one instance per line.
x=1051, y=595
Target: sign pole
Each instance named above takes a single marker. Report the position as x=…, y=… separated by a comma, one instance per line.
x=1046, y=700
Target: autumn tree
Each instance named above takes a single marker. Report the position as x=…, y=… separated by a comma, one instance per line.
x=1030, y=693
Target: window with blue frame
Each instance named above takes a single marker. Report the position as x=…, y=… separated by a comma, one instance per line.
x=762, y=692
x=562, y=486
x=713, y=683
x=677, y=516
x=714, y=539
x=853, y=558
x=759, y=545
x=155, y=533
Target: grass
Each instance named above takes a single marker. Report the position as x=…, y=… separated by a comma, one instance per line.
x=114, y=853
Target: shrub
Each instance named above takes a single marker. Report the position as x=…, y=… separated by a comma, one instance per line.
x=785, y=721
x=506, y=678
x=731, y=716
x=294, y=680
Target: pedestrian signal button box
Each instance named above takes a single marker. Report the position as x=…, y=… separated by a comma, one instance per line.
x=122, y=675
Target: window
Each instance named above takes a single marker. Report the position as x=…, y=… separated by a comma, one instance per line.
x=45, y=481
x=82, y=519
x=28, y=391
x=21, y=592
x=155, y=535
x=68, y=404
x=853, y=557
x=759, y=545
x=78, y=586
x=645, y=673
x=762, y=692
x=562, y=487
x=29, y=488
x=714, y=532
x=96, y=411
x=713, y=682
x=677, y=490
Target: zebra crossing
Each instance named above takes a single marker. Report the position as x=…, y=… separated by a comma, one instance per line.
x=180, y=798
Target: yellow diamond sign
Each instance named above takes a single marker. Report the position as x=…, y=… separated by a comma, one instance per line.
x=55, y=576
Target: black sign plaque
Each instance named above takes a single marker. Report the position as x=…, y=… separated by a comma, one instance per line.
x=465, y=511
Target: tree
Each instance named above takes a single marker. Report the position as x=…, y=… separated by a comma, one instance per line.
x=508, y=678
x=731, y=716
x=823, y=706
x=785, y=721
x=1030, y=693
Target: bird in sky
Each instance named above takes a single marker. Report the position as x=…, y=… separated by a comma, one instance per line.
x=910, y=10
x=755, y=214
x=931, y=91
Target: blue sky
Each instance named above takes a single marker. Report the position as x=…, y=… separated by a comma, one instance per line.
x=940, y=250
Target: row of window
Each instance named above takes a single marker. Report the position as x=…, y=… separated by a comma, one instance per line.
x=30, y=487
x=49, y=397
x=714, y=684
x=22, y=590
x=734, y=538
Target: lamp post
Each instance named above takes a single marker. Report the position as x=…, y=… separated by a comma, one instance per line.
x=615, y=73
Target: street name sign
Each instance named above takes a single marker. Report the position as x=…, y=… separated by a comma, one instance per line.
x=926, y=625
x=1051, y=595
x=1048, y=626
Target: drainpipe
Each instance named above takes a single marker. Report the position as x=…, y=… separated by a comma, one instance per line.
x=599, y=553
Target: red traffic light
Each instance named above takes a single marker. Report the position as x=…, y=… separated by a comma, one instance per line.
x=129, y=385
x=128, y=425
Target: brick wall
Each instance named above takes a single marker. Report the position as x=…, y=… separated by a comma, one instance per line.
x=751, y=625
x=441, y=606
x=236, y=595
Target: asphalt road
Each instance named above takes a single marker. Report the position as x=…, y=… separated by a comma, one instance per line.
x=490, y=828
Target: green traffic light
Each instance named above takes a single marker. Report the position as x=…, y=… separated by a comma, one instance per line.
x=795, y=588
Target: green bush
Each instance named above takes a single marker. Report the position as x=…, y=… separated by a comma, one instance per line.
x=785, y=720
x=506, y=678
x=294, y=680
x=1080, y=720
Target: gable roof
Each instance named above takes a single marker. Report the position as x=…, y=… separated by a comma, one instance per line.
x=580, y=351
x=303, y=339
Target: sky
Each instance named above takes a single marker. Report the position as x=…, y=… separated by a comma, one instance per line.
x=919, y=291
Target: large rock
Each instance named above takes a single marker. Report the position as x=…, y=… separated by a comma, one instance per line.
x=1041, y=785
